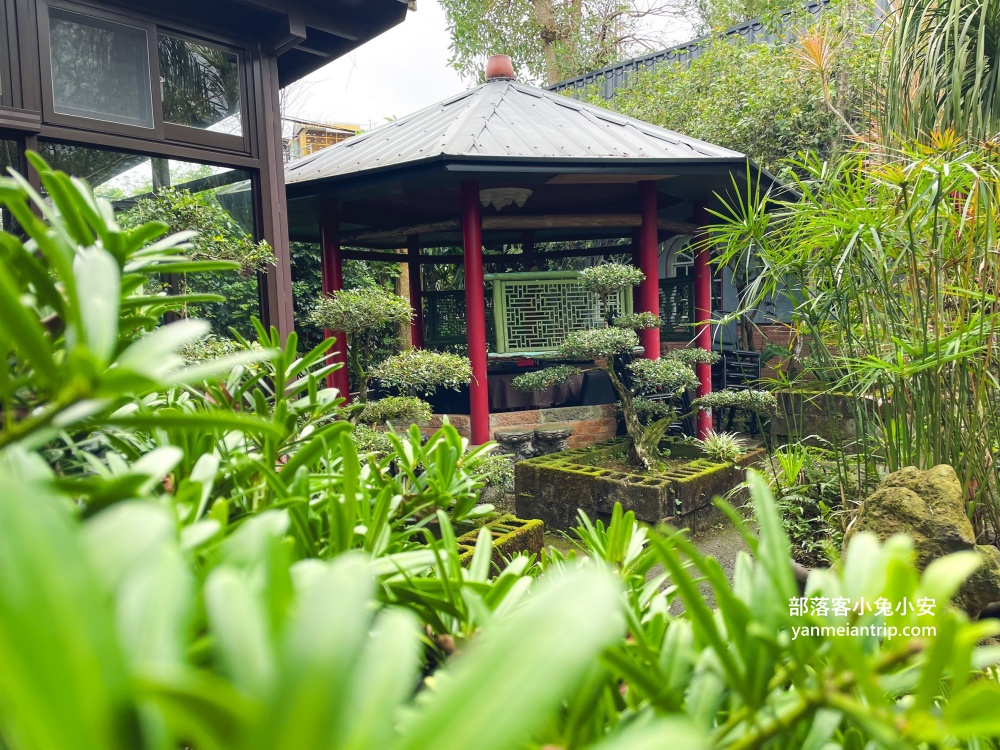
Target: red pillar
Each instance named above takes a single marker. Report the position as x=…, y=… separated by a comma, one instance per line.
x=416, y=300
x=649, y=264
x=333, y=281
x=702, y=316
x=475, y=311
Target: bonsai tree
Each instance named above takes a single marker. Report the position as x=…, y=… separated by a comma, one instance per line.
x=363, y=315
x=639, y=380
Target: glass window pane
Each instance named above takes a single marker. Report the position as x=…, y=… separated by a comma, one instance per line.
x=201, y=85
x=100, y=69
x=216, y=201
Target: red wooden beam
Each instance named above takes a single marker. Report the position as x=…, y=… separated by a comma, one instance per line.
x=649, y=289
x=475, y=311
x=702, y=317
x=416, y=300
x=333, y=281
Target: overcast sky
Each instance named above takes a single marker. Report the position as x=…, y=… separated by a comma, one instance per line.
x=402, y=70
x=394, y=74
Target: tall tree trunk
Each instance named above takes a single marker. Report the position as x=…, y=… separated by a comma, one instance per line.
x=556, y=27
x=548, y=25
x=637, y=453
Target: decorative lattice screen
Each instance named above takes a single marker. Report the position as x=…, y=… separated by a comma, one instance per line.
x=444, y=320
x=676, y=308
x=534, y=312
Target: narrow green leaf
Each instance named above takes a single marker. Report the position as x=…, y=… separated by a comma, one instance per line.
x=557, y=632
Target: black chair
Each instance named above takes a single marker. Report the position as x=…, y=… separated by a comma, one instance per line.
x=736, y=371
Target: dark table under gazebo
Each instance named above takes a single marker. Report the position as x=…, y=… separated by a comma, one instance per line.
x=507, y=163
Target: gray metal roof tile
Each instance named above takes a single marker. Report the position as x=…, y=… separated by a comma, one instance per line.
x=503, y=119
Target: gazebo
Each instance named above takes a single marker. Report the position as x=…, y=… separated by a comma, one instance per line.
x=505, y=163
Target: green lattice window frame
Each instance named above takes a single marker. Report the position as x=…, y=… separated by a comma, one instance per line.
x=553, y=287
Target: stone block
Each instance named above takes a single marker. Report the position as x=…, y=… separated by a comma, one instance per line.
x=458, y=421
x=511, y=418
x=554, y=487
x=552, y=438
x=930, y=508
x=570, y=413
x=517, y=441
x=511, y=536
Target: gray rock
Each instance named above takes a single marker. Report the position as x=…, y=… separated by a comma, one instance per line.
x=929, y=507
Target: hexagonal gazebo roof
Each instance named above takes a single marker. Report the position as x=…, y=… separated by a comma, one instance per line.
x=576, y=159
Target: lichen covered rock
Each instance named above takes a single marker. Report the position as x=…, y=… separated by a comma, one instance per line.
x=929, y=507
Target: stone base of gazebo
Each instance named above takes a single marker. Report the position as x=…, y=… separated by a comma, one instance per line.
x=588, y=424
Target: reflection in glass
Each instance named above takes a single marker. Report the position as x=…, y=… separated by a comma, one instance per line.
x=215, y=201
x=201, y=85
x=9, y=157
x=100, y=69
x=102, y=170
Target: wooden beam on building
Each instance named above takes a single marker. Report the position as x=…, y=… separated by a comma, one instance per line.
x=520, y=223
x=336, y=25
x=585, y=252
x=400, y=233
x=677, y=227
x=274, y=286
x=287, y=33
x=313, y=50
x=513, y=223
x=512, y=259
x=561, y=221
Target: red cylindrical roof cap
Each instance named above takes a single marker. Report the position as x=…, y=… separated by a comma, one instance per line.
x=499, y=67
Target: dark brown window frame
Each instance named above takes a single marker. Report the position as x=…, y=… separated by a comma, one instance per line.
x=161, y=132
x=49, y=115
x=8, y=41
x=190, y=134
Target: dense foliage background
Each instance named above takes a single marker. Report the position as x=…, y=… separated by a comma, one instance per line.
x=766, y=100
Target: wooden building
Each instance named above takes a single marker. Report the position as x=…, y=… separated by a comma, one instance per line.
x=125, y=93
x=310, y=137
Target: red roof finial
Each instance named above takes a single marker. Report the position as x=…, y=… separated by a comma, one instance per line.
x=499, y=68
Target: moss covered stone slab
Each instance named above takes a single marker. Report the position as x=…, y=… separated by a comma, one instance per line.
x=511, y=536
x=554, y=487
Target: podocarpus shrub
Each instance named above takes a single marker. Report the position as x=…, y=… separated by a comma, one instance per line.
x=361, y=314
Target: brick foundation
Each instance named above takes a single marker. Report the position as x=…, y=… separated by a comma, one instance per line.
x=591, y=424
